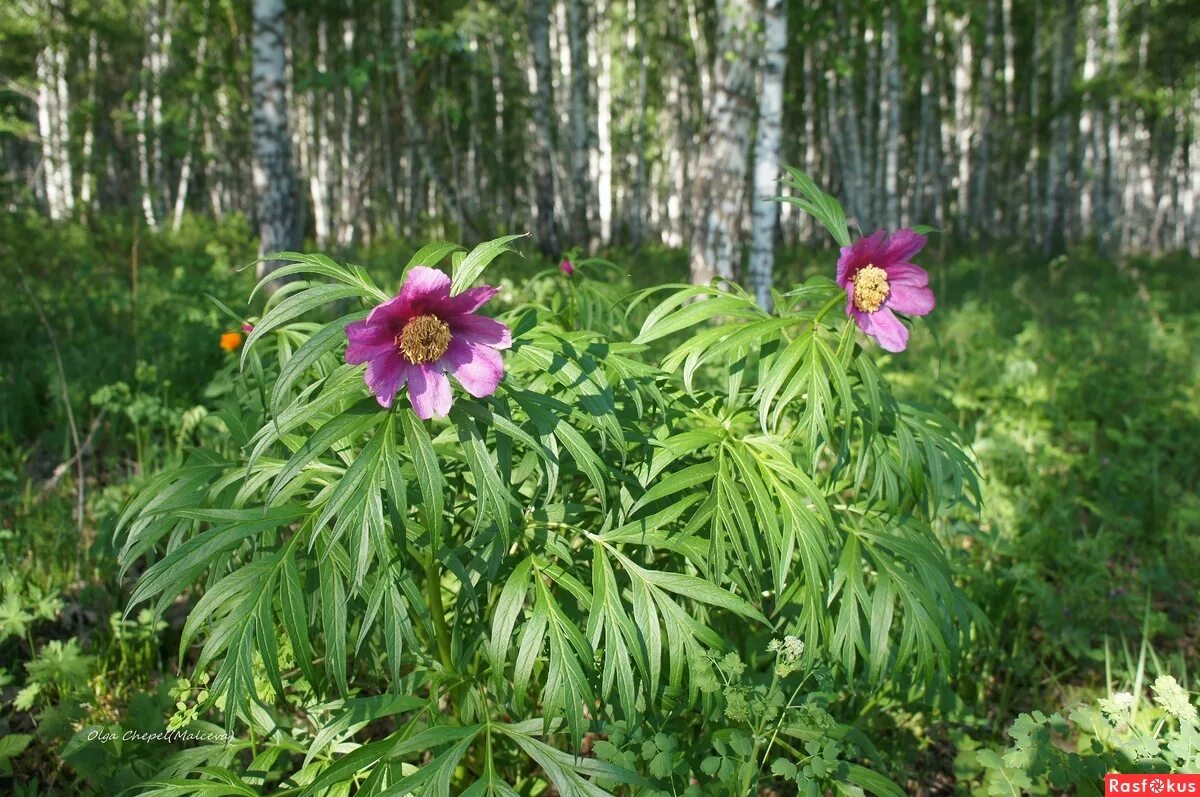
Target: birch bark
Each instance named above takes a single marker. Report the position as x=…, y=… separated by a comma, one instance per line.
x=580, y=189
x=1063, y=69
x=542, y=91
x=604, y=199
x=274, y=178
x=889, y=117
x=719, y=185
x=766, y=152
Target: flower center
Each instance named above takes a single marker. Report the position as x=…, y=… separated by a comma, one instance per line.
x=424, y=339
x=870, y=288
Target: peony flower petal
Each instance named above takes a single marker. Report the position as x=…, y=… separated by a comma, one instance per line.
x=908, y=298
x=367, y=341
x=469, y=300
x=900, y=246
x=885, y=328
x=424, y=290
x=391, y=314
x=477, y=368
x=385, y=376
x=907, y=274
x=429, y=391
x=860, y=253
x=481, y=330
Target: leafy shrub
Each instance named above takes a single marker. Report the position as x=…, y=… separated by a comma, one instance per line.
x=570, y=579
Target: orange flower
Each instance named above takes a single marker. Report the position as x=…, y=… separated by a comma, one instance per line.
x=231, y=340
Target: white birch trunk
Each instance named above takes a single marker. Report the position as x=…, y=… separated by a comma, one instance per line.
x=963, y=114
x=1090, y=123
x=53, y=104
x=980, y=211
x=637, y=49
x=542, y=91
x=1063, y=68
x=889, y=119
x=928, y=141
x=274, y=177
x=322, y=150
x=580, y=189
x=604, y=199
x=704, y=64
x=719, y=187
x=1112, y=148
x=345, y=204
x=87, y=174
x=766, y=152
x=501, y=195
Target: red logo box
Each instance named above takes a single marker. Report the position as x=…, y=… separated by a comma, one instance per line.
x=1151, y=784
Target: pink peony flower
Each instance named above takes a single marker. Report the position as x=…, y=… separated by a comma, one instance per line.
x=424, y=334
x=566, y=267
x=880, y=282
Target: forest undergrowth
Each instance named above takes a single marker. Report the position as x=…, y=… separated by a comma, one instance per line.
x=1075, y=382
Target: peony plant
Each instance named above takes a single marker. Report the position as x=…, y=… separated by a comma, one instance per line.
x=635, y=550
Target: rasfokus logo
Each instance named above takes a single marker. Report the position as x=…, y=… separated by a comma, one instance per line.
x=1151, y=784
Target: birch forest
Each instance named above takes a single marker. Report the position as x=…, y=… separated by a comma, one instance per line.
x=612, y=122
x=599, y=398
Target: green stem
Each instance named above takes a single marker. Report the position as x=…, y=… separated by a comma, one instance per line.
x=779, y=723
x=829, y=305
x=433, y=592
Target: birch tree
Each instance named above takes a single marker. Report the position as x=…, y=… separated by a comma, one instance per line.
x=53, y=105
x=889, y=119
x=274, y=178
x=581, y=190
x=719, y=182
x=766, y=151
x=1055, y=214
x=542, y=90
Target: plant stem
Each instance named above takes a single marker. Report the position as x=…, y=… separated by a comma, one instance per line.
x=829, y=305
x=433, y=592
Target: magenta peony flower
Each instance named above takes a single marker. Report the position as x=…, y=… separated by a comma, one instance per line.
x=424, y=334
x=880, y=282
x=566, y=267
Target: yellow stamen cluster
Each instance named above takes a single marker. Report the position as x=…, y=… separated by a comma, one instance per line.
x=424, y=339
x=870, y=288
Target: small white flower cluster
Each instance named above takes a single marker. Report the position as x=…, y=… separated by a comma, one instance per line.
x=1175, y=699
x=1123, y=700
x=788, y=650
x=1118, y=704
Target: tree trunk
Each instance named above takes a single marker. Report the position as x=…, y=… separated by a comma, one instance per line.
x=543, y=115
x=53, y=106
x=581, y=189
x=889, y=119
x=929, y=152
x=963, y=108
x=766, y=151
x=604, y=170
x=414, y=129
x=87, y=174
x=274, y=177
x=846, y=127
x=501, y=196
x=637, y=210
x=1063, y=70
x=346, y=206
x=719, y=186
x=1109, y=234
x=980, y=200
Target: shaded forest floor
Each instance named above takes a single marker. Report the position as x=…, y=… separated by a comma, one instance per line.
x=1077, y=381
